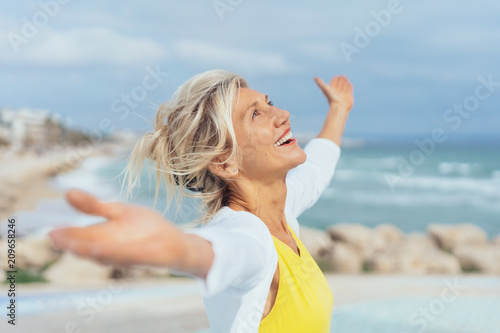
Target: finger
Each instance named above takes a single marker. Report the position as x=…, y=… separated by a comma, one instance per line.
x=336, y=82
x=340, y=83
x=88, y=204
x=106, y=253
x=345, y=82
x=348, y=85
x=65, y=238
x=82, y=243
x=322, y=85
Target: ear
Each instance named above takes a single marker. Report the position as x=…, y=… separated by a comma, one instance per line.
x=224, y=170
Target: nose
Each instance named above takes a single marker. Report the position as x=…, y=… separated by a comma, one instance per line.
x=281, y=117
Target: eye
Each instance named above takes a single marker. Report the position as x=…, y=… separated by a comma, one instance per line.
x=270, y=103
x=253, y=115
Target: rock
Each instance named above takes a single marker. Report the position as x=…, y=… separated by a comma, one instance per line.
x=390, y=234
x=407, y=257
x=484, y=258
x=345, y=258
x=316, y=242
x=419, y=240
x=3, y=249
x=361, y=238
x=439, y=262
x=33, y=252
x=416, y=254
x=383, y=263
x=411, y=261
x=135, y=272
x=71, y=269
x=447, y=237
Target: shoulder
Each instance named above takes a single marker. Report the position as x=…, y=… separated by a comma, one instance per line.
x=238, y=225
x=243, y=252
x=322, y=144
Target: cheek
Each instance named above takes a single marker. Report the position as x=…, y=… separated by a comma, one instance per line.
x=265, y=138
x=256, y=140
x=256, y=146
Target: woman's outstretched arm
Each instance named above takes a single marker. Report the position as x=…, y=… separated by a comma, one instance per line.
x=306, y=183
x=132, y=235
x=339, y=94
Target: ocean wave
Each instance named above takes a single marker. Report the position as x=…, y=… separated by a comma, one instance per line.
x=411, y=199
x=473, y=186
x=457, y=168
x=389, y=162
x=86, y=178
x=482, y=186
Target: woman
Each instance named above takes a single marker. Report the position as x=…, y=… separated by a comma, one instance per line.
x=228, y=145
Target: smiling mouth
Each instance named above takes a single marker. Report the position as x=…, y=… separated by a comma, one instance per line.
x=286, y=140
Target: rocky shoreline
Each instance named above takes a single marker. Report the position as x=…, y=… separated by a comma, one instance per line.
x=444, y=249
x=342, y=248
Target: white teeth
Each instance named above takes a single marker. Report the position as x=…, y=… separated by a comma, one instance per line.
x=287, y=136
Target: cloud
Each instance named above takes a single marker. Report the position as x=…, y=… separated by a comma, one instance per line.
x=430, y=71
x=84, y=46
x=197, y=52
x=322, y=51
x=467, y=38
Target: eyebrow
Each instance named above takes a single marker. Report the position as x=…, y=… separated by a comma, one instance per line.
x=254, y=104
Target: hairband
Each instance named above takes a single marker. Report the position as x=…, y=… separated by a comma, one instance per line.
x=187, y=185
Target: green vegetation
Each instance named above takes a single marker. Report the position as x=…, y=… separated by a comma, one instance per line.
x=470, y=270
x=367, y=267
x=26, y=276
x=29, y=275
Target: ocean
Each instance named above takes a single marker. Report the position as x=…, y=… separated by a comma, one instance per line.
x=373, y=184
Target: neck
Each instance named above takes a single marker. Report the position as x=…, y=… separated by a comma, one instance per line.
x=265, y=200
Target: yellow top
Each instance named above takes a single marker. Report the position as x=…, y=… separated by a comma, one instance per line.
x=304, y=302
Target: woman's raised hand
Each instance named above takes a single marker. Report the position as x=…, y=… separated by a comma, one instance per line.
x=339, y=92
x=131, y=234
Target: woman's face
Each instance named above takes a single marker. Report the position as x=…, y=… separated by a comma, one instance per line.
x=258, y=126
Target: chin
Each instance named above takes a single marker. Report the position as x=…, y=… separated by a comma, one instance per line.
x=304, y=158
x=299, y=158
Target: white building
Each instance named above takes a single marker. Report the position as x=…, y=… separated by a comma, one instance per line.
x=28, y=129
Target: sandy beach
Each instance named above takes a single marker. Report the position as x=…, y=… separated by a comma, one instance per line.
x=176, y=305
x=27, y=179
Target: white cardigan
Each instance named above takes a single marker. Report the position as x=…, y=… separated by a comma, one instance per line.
x=245, y=259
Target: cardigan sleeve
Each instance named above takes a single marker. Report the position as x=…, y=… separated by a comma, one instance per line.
x=306, y=182
x=241, y=255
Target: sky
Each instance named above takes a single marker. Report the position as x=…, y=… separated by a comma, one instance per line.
x=417, y=66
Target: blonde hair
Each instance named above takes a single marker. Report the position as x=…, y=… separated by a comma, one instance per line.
x=191, y=130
